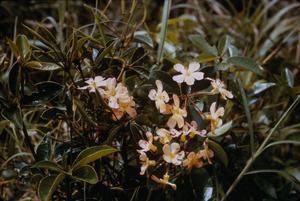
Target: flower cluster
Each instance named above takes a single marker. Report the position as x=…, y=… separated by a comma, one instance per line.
x=115, y=94
x=167, y=145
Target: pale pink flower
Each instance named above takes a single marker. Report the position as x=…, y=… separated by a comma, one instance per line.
x=160, y=96
x=94, y=84
x=206, y=153
x=164, y=136
x=147, y=145
x=145, y=162
x=214, y=116
x=164, y=181
x=219, y=87
x=178, y=114
x=188, y=75
x=172, y=153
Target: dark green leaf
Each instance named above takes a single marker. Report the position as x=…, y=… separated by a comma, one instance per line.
x=168, y=83
x=201, y=43
x=261, y=86
x=44, y=151
x=48, y=185
x=49, y=165
x=91, y=154
x=223, y=45
x=245, y=64
x=85, y=173
x=219, y=152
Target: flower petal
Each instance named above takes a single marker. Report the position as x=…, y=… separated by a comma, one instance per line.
x=152, y=94
x=179, y=68
x=159, y=86
x=198, y=75
x=194, y=66
x=178, y=78
x=189, y=80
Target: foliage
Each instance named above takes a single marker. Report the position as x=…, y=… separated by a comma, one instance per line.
x=96, y=103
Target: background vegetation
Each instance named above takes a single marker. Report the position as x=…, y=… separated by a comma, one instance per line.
x=47, y=49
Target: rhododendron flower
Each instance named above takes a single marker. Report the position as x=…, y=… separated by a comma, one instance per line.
x=145, y=162
x=219, y=87
x=206, y=153
x=126, y=105
x=147, y=145
x=214, y=116
x=177, y=114
x=193, y=160
x=164, y=135
x=164, y=181
x=94, y=83
x=160, y=96
x=113, y=92
x=172, y=154
x=188, y=75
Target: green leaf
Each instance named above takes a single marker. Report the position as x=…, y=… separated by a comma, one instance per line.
x=223, y=45
x=163, y=29
x=168, y=83
x=261, y=86
x=49, y=165
x=23, y=47
x=13, y=48
x=43, y=66
x=195, y=116
x=218, y=151
x=48, y=185
x=91, y=154
x=201, y=43
x=246, y=64
x=43, y=151
x=85, y=173
x=289, y=77
x=202, y=184
x=14, y=115
x=144, y=37
x=220, y=130
x=280, y=142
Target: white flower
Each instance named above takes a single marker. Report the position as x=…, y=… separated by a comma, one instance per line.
x=94, y=83
x=145, y=162
x=164, y=136
x=188, y=75
x=172, y=154
x=164, y=181
x=126, y=105
x=214, y=116
x=160, y=97
x=147, y=145
x=177, y=114
x=206, y=153
x=219, y=87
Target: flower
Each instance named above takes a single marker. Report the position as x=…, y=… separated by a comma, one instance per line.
x=172, y=154
x=164, y=136
x=214, y=116
x=126, y=105
x=94, y=83
x=177, y=114
x=160, y=97
x=113, y=92
x=147, y=145
x=219, y=87
x=145, y=162
x=206, y=153
x=188, y=75
x=193, y=160
x=164, y=181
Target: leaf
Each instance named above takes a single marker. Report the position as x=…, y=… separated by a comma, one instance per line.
x=195, y=116
x=144, y=37
x=246, y=64
x=13, y=114
x=201, y=43
x=13, y=48
x=43, y=151
x=43, y=66
x=23, y=47
x=223, y=45
x=280, y=142
x=84, y=114
x=202, y=184
x=48, y=185
x=46, y=91
x=168, y=83
x=85, y=173
x=220, y=130
x=8, y=174
x=91, y=154
x=261, y=86
x=219, y=152
x=289, y=77
x=49, y=165
x=163, y=29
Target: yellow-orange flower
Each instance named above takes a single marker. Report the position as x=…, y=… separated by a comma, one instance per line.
x=164, y=181
x=214, y=116
x=172, y=154
x=178, y=114
x=164, y=136
x=147, y=145
x=193, y=160
x=145, y=162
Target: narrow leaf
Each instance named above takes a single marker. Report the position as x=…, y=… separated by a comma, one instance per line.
x=246, y=64
x=201, y=43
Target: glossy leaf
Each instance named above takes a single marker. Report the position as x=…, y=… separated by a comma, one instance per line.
x=43, y=66
x=218, y=151
x=23, y=47
x=245, y=64
x=85, y=173
x=49, y=165
x=201, y=43
x=48, y=185
x=91, y=154
x=289, y=77
x=261, y=86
